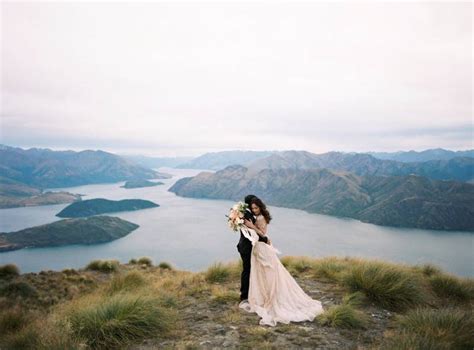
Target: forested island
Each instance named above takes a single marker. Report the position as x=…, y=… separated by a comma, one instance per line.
x=98, y=206
x=96, y=229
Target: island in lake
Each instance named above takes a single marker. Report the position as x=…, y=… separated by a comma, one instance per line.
x=98, y=206
x=96, y=229
x=14, y=194
x=141, y=183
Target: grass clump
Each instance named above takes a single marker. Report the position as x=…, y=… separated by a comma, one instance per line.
x=218, y=273
x=424, y=328
x=18, y=289
x=9, y=271
x=452, y=287
x=104, y=265
x=410, y=341
x=120, y=320
x=224, y=296
x=145, y=261
x=346, y=315
x=165, y=266
x=427, y=269
x=126, y=282
x=331, y=267
x=70, y=272
x=12, y=320
x=391, y=286
x=25, y=338
x=296, y=264
x=355, y=299
x=343, y=316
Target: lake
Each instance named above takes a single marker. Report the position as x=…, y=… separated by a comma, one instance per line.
x=191, y=234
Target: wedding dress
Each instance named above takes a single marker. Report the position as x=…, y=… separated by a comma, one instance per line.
x=273, y=293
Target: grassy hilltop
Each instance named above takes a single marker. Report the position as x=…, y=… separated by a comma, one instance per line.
x=369, y=304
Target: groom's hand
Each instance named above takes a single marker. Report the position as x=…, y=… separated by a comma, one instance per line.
x=249, y=223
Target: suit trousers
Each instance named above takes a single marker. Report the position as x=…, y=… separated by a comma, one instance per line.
x=245, y=275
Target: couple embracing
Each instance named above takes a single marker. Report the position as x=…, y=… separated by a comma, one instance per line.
x=267, y=288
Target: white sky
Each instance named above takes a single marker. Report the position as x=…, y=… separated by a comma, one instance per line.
x=175, y=78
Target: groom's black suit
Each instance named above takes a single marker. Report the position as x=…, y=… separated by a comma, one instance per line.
x=245, y=249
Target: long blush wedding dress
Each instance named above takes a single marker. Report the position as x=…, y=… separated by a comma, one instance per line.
x=273, y=293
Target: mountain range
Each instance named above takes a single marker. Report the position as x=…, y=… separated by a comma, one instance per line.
x=46, y=168
x=24, y=174
x=460, y=169
x=220, y=160
x=422, y=156
x=157, y=162
x=402, y=201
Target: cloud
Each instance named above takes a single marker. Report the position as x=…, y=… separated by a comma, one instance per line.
x=181, y=78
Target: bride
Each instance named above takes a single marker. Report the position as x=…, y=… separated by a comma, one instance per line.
x=273, y=293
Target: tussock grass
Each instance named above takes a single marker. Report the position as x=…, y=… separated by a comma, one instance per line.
x=355, y=299
x=346, y=315
x=165, y=265
x=18, y=289
x=121, y=319
x=331, y=267
x=103, y=265
x=13, y=319
x=452, y=287
x=297, y=264
x=132, y=261
x=168, y=300
x=25, y=338
x=198, y=287
x=126, y=282
x=428, y=269
x=222, y=295
x=343, y=316
x=423, y=328
x=145, y=261
x=410, y=341
x=9, y=271
x=235, y=268
x=391, y=286
x=218, y=273
x=70, y=272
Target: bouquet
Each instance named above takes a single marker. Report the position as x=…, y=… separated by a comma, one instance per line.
x=235, y=219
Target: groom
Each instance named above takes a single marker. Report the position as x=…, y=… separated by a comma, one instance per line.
x=245, y=249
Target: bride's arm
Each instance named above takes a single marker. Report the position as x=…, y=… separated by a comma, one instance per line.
x=259, y=227
x=262, y=231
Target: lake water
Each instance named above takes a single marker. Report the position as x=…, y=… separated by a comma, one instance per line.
x=191, y=234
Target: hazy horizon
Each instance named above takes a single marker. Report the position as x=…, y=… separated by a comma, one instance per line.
x=183, y=79
x=197, y=155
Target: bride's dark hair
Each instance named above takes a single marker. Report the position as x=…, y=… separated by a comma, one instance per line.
x=263, y=208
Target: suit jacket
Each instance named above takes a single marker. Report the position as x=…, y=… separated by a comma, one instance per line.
x=245, y=246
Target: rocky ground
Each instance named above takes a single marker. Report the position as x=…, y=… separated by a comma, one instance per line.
x=214, y=325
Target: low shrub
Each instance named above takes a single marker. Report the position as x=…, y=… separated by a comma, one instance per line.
x=103, y=265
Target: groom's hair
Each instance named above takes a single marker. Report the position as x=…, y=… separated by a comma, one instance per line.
x=249, y=198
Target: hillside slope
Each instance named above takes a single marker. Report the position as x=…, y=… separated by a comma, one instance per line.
x=369, y=304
